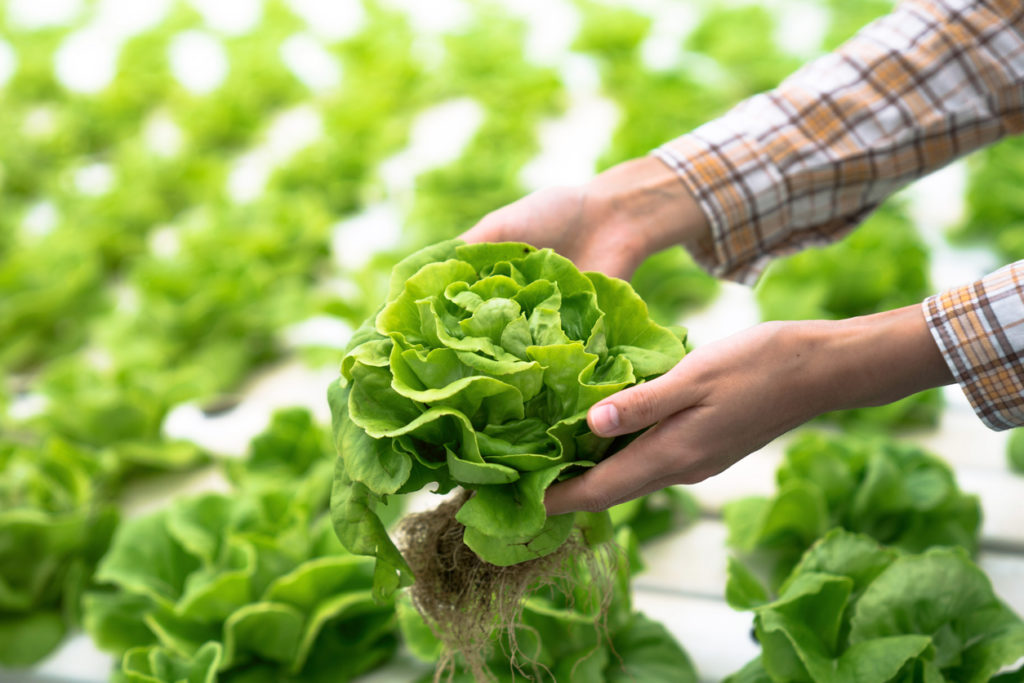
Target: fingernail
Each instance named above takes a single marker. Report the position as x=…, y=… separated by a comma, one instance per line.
x=604, y=419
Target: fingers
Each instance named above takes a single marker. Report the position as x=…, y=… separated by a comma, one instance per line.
x=632, y=409
x=490, y=228
x=649, y=463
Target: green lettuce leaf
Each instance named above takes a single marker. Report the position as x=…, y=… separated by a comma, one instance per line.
x=56, y=522
x=853, y=610
x=896, y=493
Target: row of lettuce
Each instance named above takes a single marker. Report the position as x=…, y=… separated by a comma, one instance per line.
x=858, y=568
x=158, y=288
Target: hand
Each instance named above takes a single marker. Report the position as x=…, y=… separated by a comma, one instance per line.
x=610, y=225
x=726, y=400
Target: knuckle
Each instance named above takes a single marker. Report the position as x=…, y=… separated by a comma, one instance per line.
x=642, y=407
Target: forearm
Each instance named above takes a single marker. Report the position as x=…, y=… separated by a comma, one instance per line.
x=649, y=200
x=805, y=163
x=869, y=360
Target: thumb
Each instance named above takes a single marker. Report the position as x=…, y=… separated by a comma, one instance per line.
x=491, y=228
x=640, y=406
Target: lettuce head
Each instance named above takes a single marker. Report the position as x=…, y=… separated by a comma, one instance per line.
x=478, y=372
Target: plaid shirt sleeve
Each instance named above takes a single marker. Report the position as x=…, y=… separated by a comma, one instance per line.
x=805, y=163
x=980, y=330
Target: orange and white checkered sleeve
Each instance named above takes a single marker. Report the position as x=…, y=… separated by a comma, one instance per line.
x=805, y=163
x=980, y=330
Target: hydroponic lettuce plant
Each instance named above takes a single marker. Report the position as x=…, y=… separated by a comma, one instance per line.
x=55, y=524
x=995, y=212
x=853, y=610
x=253, y=573
x=478, y=372
x=564, y=637
x=672, y=284
x=894, y=492
x=249, y=586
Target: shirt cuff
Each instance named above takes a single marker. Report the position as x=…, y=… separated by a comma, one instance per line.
x=979, y=328
x=734, y=185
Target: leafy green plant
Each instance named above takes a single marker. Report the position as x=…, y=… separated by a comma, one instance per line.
x=255, y=573
x=853, y=610
x=478, y=372
x=251, y=585
x=894, y=492
x=55, y=523
x=1015, y=451
x=672, y=284
x=656, y=514
x=995, y=212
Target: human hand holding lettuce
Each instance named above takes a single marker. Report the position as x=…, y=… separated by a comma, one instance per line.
x=727, y=399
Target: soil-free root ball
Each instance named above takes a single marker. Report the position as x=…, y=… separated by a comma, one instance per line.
x=478, y=372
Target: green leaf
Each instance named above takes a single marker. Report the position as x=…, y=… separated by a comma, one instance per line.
x=514, y=511
x=361, y=532
x=649, y=653
x=743, y=590
x=909, y=595
x=651, y=349
x=265, y=630
x=27, y=638
x=504, y=551
x=160, y=665
x=145, y=558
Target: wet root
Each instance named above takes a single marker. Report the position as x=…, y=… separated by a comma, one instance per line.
x=473, y=606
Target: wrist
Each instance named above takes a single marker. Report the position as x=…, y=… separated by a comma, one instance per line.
x=648, y=196
x=874, y=359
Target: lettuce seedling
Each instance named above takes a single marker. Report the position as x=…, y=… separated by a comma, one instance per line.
x=894, y=492
x=252, y=572
x=253, y=583
x=55, y=524
x=853, y=610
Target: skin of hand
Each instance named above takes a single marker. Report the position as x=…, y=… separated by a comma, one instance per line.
x=727, y=399
x=610, y=224
x=724, y=400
